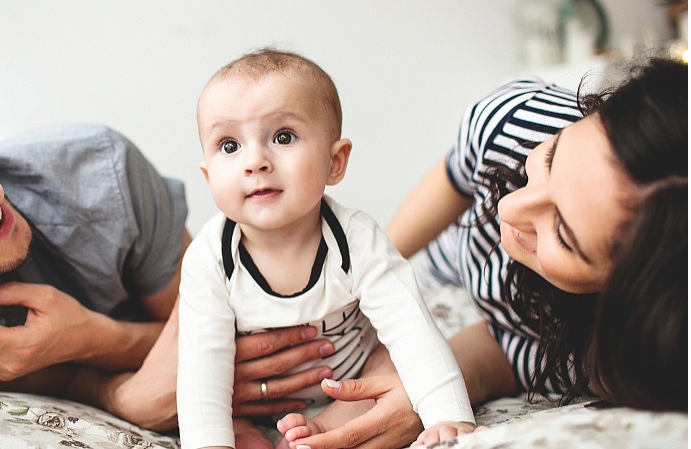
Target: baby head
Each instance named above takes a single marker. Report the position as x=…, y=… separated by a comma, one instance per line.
x=270, y=124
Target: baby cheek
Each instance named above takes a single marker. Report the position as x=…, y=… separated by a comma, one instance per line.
x=223, y=194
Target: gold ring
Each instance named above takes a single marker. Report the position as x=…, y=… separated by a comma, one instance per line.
x=264, y=389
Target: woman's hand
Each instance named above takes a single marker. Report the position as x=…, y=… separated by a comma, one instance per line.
x=390, y=423
x=264, y=356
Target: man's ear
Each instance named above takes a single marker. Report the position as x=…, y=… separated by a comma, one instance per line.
x=202, y=167
x=340, y=152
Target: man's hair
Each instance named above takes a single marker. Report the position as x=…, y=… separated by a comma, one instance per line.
x=260, y=63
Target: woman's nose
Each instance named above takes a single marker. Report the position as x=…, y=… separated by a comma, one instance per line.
x=522, y=208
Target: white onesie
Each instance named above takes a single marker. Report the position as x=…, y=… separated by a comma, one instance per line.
x=358, y=278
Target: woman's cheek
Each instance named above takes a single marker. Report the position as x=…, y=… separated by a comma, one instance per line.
x=569, y=275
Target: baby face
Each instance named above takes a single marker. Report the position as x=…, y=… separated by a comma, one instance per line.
x=268, y=149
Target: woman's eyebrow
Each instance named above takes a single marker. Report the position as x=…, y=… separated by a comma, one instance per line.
x=572, y=239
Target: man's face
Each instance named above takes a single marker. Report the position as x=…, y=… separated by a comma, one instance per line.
x=15, y=236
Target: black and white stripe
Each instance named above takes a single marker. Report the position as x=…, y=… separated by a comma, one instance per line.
x=493, y=131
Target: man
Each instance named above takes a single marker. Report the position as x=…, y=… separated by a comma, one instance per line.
x=90, y=247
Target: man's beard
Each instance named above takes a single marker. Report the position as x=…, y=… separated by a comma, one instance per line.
x=13, y=315
x=11, y=265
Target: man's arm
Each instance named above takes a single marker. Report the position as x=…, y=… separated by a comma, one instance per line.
x=59, y=329
x=130, y=343
x=159, y=305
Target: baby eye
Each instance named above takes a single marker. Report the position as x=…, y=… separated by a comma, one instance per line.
x=229, y=146
x=285, y=138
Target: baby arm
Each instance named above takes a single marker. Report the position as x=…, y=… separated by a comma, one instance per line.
x=206, y=351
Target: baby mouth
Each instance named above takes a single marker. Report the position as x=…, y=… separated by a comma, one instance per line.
x=264, y=193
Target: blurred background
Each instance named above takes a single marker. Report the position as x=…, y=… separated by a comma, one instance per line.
x=405, y=69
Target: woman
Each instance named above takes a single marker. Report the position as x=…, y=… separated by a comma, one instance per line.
x=587, y=292
x=573, y=231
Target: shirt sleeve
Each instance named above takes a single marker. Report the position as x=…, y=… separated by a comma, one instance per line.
x=496, y=129
x=111, y=220
x=386, y=285
x=159, y=211
x=206, y=353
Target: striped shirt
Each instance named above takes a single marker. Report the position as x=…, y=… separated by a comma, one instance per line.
x=492, y=131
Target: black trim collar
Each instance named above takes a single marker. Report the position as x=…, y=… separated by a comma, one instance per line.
x=245, y=258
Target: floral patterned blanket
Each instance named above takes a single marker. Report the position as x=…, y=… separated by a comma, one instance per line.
x=38, y=422
x=514, y=423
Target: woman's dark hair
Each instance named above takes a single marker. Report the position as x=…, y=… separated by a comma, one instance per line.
x=639, y=351
x=642, y=311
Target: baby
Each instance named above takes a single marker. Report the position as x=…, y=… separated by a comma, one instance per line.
x=282, y=253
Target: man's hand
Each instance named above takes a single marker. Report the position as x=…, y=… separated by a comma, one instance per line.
x=263, y=357
x=56, y=329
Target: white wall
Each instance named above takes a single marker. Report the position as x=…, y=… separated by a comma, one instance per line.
x=405, y=70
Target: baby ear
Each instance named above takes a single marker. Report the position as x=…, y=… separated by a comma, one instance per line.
x=202, y=167
x=340, y=152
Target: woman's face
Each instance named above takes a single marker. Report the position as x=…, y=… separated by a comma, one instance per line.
x=563, y=223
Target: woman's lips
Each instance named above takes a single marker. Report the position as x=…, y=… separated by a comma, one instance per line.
x=522, y=243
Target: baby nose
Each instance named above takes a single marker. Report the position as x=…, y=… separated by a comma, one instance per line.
x=257, y=160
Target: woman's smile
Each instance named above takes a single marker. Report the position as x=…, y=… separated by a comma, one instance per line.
x=523, y=244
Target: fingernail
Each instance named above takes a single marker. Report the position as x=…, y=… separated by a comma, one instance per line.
x=326, y=349
x=323, y=374
x=308, y=333
x=332, y=383
x=303, y=446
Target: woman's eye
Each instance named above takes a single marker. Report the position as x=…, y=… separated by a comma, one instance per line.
x=229, y=146
x=560, y=238
x=284, y=138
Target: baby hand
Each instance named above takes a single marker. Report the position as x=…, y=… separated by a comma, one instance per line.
x=443, y=431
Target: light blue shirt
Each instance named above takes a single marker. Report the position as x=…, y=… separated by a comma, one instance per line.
x=107, y=227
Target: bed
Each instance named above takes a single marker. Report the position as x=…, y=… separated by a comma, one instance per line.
x=37, y=422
